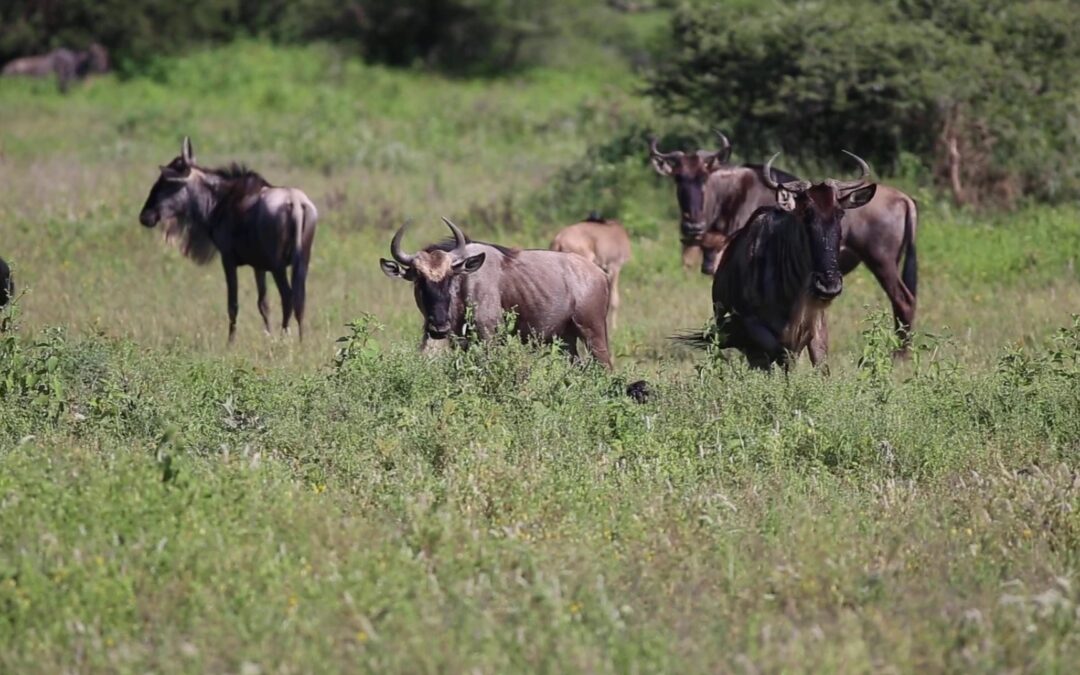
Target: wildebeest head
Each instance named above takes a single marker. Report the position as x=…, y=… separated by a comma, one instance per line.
x=436, y=277
x=170, y=196
x=690, y=172
x=820, y=208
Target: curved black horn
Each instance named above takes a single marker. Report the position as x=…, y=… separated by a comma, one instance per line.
x=395, y=248
x=864, y=169
x=725, y=146
x=654, y=150
x=459, y=237
x=767, y=173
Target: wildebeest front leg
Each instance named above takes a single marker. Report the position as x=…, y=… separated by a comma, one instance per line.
x=231, y=293
x=760, y=339
x=264, y=306
x=285, y=292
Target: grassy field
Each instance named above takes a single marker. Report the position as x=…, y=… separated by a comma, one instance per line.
x=171, y=505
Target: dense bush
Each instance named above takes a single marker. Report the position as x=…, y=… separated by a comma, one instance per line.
x=455, y=35
x=984, y=93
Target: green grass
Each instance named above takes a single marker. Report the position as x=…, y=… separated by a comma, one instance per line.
x=172, y=505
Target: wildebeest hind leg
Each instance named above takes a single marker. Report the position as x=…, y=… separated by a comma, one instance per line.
x=286, y=298
x=902, y=301
x=264, y=306
x=596, y=340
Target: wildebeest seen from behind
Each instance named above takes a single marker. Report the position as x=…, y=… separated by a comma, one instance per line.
x=602, y=242
x=234, y=212
x=7, y=284
x=717, y=197
x=778, y=274
x=555, y=295
x=66, y=64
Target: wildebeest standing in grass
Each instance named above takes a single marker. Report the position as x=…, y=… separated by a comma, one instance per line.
x=718, y=198
x=555, y=295
x=7, y=285
x=778, y=274
x=66, y=64
x=602, y=242
x=236, y=213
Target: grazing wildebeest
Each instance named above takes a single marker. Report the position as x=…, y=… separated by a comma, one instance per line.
x=65, y=64
x=715, y=196
x=777, y=275
x=602, y=242
x=7, y=284
x=555, y=295
x=235, y=212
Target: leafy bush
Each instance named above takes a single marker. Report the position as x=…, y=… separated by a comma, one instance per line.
x=984, y=93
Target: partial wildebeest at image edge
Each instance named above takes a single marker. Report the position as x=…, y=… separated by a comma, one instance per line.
x=716, y=199
x=777, y=275
x=553, y=294
x=235, y=213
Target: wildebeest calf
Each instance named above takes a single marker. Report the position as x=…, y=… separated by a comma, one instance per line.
x=602, y=242
x=555, y=295
x=236, y=213
x=777, y=275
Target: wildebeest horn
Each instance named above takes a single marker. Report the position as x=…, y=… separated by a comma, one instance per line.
x=654, y=150
x=863, y=166
x=790, y=186
x=725, y=147
x=395, y=248
x=459, y=237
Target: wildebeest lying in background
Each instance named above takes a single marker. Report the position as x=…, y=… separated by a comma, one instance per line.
x=555, y=295
x=235, y=212
x=717, y=197
x=65, y=64
x=778, y=274
x=7, y=284
x=602, y=242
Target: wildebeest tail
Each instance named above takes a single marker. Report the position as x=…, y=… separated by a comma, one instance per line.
x=304, y=217
x=910, y=274
x=696, y=339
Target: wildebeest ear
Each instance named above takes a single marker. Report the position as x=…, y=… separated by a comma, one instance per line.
x=662, y=166
x=394, y=270
x=186, y=151
x=785, y=199
x=860, y=197
x=470, y=264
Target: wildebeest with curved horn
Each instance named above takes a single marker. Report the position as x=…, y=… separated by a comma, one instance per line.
x=603, y=242
x=235, y=212
x=778, y=274
x=7, y=285
x=716, y=197
x=65, y=64
x=555, y=295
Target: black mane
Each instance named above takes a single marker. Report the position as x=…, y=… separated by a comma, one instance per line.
x=240, y=172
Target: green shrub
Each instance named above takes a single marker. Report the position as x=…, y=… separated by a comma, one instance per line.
x=982, y=92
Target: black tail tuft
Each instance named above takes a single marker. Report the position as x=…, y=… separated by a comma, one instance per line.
x=695, y=339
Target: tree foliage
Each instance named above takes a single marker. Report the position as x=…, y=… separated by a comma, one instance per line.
x=984, y=93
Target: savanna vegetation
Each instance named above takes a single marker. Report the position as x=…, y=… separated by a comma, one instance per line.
x=170, y=504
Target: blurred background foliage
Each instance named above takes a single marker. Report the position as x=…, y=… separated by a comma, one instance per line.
x=981, y=97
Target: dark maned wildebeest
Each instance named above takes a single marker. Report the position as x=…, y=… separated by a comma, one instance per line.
x=236, y=213
x=7, y=284
x=778, y=274
x=602, y=242
x=555, y=295
x=717, y=197
x=66, y=64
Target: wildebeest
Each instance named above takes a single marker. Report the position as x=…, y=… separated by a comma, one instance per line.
x=602, y=242
x=715, y=196
x=7, y=284
x=65, y=64
x=235, y=212
x=777, y=275
x=555, y=295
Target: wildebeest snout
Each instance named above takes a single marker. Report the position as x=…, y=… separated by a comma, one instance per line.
x=691, y=229
x=148, y=217
x=827, y=286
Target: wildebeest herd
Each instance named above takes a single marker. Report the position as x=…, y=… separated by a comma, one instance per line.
x=776, y=246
